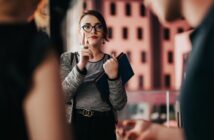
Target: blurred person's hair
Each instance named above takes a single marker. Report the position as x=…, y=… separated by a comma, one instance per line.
x=14, y=8
x=166, y=10
x=100, y=18
x=173, y=10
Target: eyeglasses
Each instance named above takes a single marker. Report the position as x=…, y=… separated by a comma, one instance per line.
x=88, y=28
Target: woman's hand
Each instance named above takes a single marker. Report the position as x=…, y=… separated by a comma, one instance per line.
x=85, y=54
x=111, y=68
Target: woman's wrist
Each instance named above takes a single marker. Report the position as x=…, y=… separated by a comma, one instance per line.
x=113, y=78
x=81, y=66
x=82, y=71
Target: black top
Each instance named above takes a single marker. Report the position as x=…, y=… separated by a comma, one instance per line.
x=22, y=49
x=197, y=93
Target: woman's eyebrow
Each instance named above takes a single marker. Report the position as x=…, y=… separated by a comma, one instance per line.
x=97, y=23
x=91, y=24
x=87, y=24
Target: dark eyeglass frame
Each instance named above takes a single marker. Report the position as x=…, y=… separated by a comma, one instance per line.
x=95, y=27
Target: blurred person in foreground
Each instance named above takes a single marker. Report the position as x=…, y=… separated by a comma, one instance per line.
x=31, y=100
x=197, y=89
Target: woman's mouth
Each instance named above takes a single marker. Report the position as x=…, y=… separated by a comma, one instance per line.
x=94, y=37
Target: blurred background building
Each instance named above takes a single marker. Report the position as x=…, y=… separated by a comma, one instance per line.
x=156, y=52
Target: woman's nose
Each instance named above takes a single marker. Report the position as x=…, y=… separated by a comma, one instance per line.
x=94, y=30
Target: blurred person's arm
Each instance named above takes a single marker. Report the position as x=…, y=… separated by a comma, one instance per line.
x=159, y=132
x=145, y=130
x=44, y=106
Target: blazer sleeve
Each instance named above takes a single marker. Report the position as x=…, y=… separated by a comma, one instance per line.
x=71, y=76
x=117, y=97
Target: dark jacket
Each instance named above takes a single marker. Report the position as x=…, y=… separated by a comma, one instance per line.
x=197, y=93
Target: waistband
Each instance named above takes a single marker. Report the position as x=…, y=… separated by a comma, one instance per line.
x=92, y=113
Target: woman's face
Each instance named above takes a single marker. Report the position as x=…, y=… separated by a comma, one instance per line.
x=93, y=30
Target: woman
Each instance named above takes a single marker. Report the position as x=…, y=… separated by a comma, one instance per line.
x=31, y=103
x=93, y=118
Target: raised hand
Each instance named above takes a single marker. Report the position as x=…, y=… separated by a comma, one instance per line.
x=85, y=53
x=111, y=67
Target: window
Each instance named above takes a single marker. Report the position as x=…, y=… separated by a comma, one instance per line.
x=128, y=9
x=143, y=57
x=110, y=32
x=170, y=57
x=167, y=80
x=180, y=30
x=139, y=33
x=113, y=8
x=141, y=82
x=142, y=10
x=84, y=5
x=125, y=33
x=166, y=34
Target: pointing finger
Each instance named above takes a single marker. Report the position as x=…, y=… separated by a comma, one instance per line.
x=83, y=39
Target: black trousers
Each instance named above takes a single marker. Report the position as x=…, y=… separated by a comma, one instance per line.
x=100, y=127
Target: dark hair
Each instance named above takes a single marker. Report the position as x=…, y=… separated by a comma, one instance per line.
x=100, y=18
x=15, y=8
